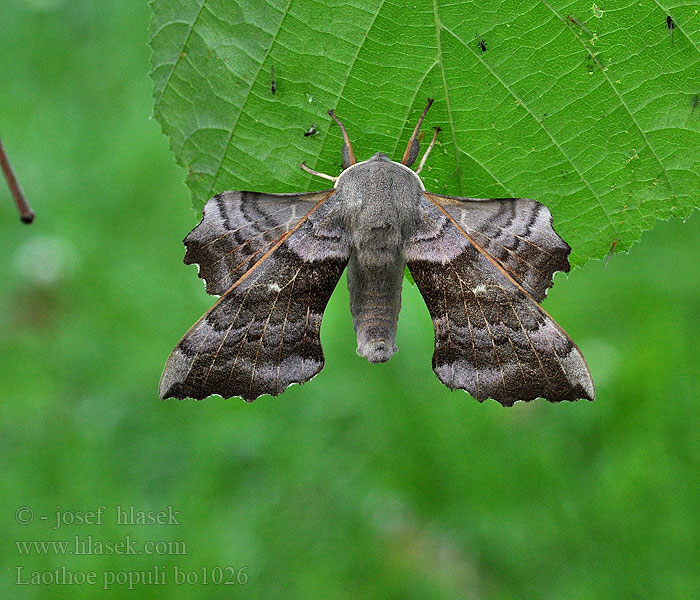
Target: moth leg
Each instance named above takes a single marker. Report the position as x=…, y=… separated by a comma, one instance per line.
x=430, y=147
x=348, y=154
x=413, y=146
x=317, y=173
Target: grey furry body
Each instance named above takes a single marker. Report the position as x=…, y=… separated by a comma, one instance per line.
x=379, y=202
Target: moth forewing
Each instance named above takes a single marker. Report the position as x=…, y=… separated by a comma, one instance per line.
x=275, y=258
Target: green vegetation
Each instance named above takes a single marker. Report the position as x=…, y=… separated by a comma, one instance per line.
x=369, y=481
x=595, y=116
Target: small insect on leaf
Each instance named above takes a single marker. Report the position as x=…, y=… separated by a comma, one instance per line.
x=312, y=131
x=482, y=266
x=575, y=21
x=613, y=249
x=670, y=26
x=482, y=43
x=273, y=81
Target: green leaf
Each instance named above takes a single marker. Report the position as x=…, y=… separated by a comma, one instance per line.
x=596, y=116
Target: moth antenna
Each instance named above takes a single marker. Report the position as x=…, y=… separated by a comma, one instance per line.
x=26, y=214
x=317, y=173
x=406, y=154
x=351, y=154
x=430, y=147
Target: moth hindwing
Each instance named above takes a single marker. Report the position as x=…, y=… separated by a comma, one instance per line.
x=482, y=266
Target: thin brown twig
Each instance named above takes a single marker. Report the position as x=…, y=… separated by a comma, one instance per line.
x=26, y=214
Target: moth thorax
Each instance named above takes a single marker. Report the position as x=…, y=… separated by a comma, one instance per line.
x=382, y=164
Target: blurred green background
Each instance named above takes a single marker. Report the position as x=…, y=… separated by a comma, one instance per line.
x=371, y=481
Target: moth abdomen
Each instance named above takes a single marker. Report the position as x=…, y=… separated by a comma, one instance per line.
x=375, y=301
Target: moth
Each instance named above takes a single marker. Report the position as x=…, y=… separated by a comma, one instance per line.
x=482, y=266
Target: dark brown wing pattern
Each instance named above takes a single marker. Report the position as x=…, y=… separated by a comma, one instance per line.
x=481, y=266
x=276, y=260
x=517, y=233
x=238, y=228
